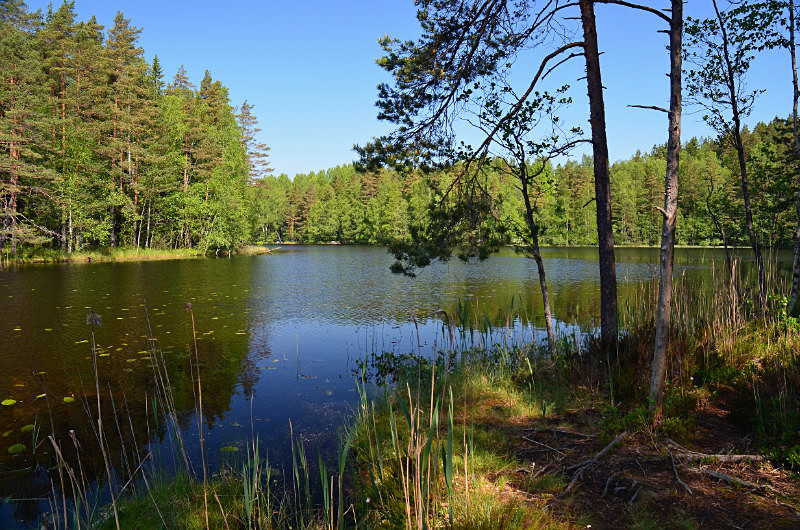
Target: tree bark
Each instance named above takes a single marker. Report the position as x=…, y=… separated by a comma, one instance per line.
x=794, y=300
x=602, y=184
x=670, y=211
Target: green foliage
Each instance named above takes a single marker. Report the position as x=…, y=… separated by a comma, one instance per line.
x=100, y=153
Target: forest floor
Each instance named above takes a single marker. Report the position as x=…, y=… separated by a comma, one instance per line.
x=644, y=479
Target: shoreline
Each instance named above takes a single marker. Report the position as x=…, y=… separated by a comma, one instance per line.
x=133, y=255
x=123, y=255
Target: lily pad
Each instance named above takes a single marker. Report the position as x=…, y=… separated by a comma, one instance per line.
x=229, y=449
x=27, y=428
x=68, y=399
x=17, y=449
x=8, y=402
x=40, y=396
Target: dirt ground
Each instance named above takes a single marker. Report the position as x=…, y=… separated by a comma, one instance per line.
x=648, y=480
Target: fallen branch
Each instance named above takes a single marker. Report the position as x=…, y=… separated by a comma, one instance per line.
x=570, y=433
x=733, y=480
x=677, y=477
x=586, y=464
x=696, y=457
x=636, y=493
x=599, y=456
x=572, y=483
x=609, y=481
x=531, y=440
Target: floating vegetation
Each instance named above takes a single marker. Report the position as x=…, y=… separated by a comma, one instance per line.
x=229, y=449
x=8, y=402
x=5, y=434
x=17, y=449
x=40, y=396
x=27, y=428
x=69, y=399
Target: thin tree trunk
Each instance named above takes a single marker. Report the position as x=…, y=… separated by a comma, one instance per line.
x=112, y=215
x=737, y=138
x=602, y=185
x=69, y=242
x=63, y=228
x=14, y=181
x=794, y=300
x=537, y=257
x=669, y=212
x=147, y=236
x=718, y=225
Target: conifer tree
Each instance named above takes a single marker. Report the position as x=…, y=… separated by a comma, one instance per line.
x=257, y=152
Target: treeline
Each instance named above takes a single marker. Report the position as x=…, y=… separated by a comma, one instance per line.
x=343, y=205
x=99, y=151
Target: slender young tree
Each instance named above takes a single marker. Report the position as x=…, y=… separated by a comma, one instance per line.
x=722, y=49
x=464, y=46
x=526, y=146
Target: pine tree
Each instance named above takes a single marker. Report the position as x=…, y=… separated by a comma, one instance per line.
x=257, y=152
x=23, y=144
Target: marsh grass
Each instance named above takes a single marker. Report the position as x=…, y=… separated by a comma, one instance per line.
x=436, y=450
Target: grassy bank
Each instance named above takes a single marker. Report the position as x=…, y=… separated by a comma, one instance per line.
x=120, y=254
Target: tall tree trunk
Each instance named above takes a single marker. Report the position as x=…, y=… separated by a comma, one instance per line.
x=602, y=184
x=737, y=138
x=794, y=301
x=670, y=214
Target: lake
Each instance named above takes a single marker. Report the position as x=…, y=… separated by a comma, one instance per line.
x=278, y=336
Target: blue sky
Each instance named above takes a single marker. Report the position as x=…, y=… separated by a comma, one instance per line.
x=309, y=68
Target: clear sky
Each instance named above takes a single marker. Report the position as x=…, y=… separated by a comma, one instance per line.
x=309, y=68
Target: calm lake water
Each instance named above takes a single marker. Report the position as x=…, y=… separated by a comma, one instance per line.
x=286, y=330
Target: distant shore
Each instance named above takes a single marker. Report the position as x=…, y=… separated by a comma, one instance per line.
x=125, y=254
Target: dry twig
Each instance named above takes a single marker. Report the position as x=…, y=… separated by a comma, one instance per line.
x=586, y=464
x=677, y=477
